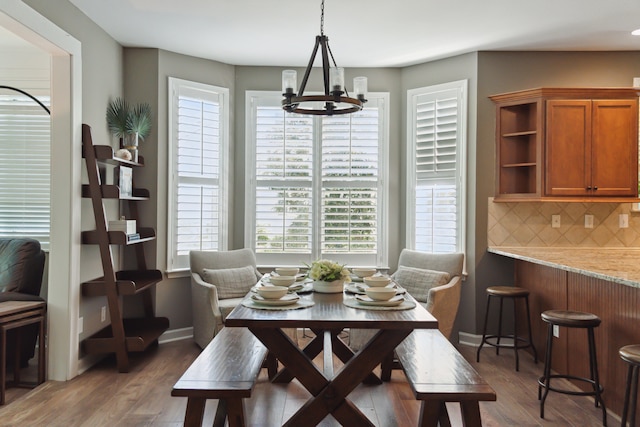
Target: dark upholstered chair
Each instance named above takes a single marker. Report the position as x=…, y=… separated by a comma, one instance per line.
x=21, y=270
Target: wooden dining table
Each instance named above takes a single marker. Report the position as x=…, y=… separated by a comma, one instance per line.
x=327, y=318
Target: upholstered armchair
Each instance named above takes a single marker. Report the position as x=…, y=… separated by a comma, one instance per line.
x=434, y=280
x=21, y=269
x=219, y=280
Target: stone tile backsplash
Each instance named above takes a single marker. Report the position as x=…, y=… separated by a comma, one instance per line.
x=528, y=224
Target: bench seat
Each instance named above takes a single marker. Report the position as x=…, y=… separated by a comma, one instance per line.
x=227, y=369
x=438, y=373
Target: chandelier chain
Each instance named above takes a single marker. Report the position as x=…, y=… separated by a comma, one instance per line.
x=322, y=18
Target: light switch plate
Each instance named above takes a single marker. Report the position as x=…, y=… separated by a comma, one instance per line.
x=555, y=221
x=588, y=221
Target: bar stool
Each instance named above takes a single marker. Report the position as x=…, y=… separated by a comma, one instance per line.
x=514, y=293
x=631, y=355
x=572, y=319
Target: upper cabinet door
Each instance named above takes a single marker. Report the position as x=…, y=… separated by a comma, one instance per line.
x=614, y=151
x=568, y=148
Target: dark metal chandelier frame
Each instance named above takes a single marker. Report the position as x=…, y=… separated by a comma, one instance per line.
x=336, y=101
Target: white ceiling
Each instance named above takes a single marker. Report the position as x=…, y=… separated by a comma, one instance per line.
x=364, y=33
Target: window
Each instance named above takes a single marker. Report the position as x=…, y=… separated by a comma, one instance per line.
x=436, y=137
x=198, y=170
x=25, y=172
x=316, y=186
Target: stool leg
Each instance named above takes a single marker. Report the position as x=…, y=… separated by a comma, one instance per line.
x=499, y=327
x=634, y=395
x=484, y=330
x=593, y=361
x=515, y=332
x=533, y=347
x=627, y=395
x=547, y=370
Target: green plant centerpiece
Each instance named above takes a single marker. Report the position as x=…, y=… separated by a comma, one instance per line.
x=328, y=276
x=129, y=123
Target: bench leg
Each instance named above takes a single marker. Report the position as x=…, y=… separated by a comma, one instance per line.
x=235, y=412
x=221, y=414
x=429, y=413
x=195, y=412
x=470, y=413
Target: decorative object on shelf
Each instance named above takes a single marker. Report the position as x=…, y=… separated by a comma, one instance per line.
x=127, y=226
x=125, y=177
x=336, y=99
x=123, y=154
x=328, y=276
x=129, y=123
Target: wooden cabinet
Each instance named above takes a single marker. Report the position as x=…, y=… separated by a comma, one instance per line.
x=571, y=143
x=122, y=335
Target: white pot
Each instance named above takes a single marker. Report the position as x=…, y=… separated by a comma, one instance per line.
x=328, y=287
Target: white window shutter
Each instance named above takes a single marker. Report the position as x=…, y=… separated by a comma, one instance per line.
x=25, y=153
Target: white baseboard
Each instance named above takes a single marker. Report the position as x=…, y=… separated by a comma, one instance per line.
x=176, y=335
x=465, y=338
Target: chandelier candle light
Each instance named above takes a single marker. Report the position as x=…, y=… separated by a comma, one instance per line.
x=336, y=99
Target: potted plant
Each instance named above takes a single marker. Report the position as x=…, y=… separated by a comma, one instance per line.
x=328, y=276
x=129, y=124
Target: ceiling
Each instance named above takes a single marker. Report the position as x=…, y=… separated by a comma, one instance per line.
x=364, y=33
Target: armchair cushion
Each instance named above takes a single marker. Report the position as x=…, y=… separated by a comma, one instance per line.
x=231, y=282
x=418, y=281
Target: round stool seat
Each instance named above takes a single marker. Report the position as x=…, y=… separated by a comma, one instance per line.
x=630, y=354
x=571, y=319
x=507, y=291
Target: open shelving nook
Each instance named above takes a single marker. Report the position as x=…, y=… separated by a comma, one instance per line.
x=122, y=335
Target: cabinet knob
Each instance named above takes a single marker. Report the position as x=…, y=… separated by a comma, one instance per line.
x=589, y=187
x=595, y=188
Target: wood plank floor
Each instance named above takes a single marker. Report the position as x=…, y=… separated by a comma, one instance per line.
x=103, y=397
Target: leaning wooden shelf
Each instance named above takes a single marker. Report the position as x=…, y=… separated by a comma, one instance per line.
x=123, y=335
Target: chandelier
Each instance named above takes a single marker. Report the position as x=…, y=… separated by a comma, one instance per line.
x=336, y=99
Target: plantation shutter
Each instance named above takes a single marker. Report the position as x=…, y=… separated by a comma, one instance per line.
x=436, y=157
x=350, y=174
x=283, y=171
x=25, y=146
x=198, y=194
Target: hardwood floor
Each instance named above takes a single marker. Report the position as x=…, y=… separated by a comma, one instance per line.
x=103, y=397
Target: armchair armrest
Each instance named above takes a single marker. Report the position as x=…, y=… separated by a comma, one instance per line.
x=206, y=314
x=443, y=303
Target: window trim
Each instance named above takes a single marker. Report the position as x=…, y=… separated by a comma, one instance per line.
x=175, y=84
x=274, y=97
x=461, y=86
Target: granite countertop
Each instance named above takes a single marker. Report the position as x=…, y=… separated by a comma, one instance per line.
x=619, y=265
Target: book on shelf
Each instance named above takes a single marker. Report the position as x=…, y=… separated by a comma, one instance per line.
x=133, y=237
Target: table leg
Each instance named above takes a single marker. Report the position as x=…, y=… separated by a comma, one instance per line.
x=329, y=395
x=312, y=349
x=195, y=412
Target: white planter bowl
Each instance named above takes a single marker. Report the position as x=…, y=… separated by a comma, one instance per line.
x=328, y=287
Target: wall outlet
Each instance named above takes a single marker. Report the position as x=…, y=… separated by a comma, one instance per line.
x=556, y=331
x=80, y=325
x=588, y=221
x=103, y=313
x=555, y=221
x=636, y=82
x=623, y=220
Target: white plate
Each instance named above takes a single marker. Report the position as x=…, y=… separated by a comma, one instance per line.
x=285, y=300
x=365, y=300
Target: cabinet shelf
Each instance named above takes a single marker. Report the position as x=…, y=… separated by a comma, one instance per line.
x=128, y=282
x=516, y=134
x=94, y=237
x=140, y=333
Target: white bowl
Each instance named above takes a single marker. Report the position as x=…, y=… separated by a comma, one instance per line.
x=364, y=272
x=380, y=294
x=287, y=271
x=283, y=280
x=377, y=281
x=272, y=292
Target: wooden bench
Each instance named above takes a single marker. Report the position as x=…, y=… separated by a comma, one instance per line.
x=438, y=373
x=227, y=370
